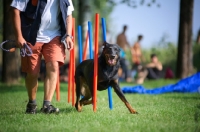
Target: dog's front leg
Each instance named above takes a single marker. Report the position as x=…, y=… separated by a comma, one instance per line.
x=118, y=91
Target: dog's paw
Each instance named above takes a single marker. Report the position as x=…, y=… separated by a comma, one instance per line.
x=136, y=112
x=78, y=107
x=133, y=112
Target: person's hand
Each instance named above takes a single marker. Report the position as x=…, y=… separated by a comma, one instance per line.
x=70, y=43
x=20, y=42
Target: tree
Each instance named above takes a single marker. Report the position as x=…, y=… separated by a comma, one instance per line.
x=1, y=38
x=198, y=37
x=185, y=53
x=11, y=64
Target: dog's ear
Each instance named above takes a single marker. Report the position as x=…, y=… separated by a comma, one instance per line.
x=105, y=44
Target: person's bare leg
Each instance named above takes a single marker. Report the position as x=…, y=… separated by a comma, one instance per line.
x=50, y=80
x=141, y=76
x=31, y=82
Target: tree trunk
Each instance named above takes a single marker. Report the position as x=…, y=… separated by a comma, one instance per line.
x=10, y=73
x=198, y=37
x=184, y=58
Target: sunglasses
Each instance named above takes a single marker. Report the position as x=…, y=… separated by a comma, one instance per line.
x=25, y=50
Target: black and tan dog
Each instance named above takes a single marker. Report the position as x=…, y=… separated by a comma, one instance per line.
x=108, y=65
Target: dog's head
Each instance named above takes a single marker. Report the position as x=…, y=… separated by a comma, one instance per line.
x=111, y=53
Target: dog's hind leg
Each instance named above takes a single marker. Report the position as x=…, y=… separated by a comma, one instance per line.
x=85, y=91
x=78, y=92
x=87, y=102
x=82, y=89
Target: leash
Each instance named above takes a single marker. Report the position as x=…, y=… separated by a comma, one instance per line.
x=25, y=50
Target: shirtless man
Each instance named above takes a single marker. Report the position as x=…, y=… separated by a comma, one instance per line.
x=122, y=41
x=136, y=52
x=124, y=45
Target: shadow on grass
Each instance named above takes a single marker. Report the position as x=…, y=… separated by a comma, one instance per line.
x=4, y=88
x=11, y=88
x=11, y=112
x=64, y=86
x=67, y=110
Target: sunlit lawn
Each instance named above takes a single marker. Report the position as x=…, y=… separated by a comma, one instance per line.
x=172, y=112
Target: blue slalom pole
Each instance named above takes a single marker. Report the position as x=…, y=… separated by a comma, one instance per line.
x=90, y=39
x=103, y=21
x=80, y=44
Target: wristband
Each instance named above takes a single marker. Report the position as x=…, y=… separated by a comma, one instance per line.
x=69, y=36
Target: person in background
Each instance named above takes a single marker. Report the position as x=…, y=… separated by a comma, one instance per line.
x=122, y=40
x=125, y=72
x=124, y=46
x=136, y=53
x=154, y=68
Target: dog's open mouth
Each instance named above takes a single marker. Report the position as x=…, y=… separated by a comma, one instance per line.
x=111, y=59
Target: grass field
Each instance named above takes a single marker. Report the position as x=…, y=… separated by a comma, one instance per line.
x=172, y=112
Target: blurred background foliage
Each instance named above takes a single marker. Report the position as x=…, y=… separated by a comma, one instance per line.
x=166, y=51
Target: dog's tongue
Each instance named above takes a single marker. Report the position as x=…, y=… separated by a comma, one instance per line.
x=111, y=61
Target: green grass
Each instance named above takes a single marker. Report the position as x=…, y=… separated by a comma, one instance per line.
x=172, y=112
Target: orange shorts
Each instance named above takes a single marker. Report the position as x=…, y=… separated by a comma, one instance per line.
x=52, y=51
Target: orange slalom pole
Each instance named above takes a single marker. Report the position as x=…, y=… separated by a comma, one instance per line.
x=73, y=80
x=85, y=47
x=70, y=77
x=95, y=62
x=73, y=64
x=58, y=86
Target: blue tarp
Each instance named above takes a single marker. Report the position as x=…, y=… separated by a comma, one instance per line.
x=187, y=85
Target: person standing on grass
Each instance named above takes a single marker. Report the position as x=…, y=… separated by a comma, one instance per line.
x=42, y=24
x=136, y=53
x=122, y=40
x=124, y=46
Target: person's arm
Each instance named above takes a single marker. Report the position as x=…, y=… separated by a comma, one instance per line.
x=127, y=43
x=69, y=41
x=151, y=65
x=155, y=65
x=159, y=66
x=17, y=26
